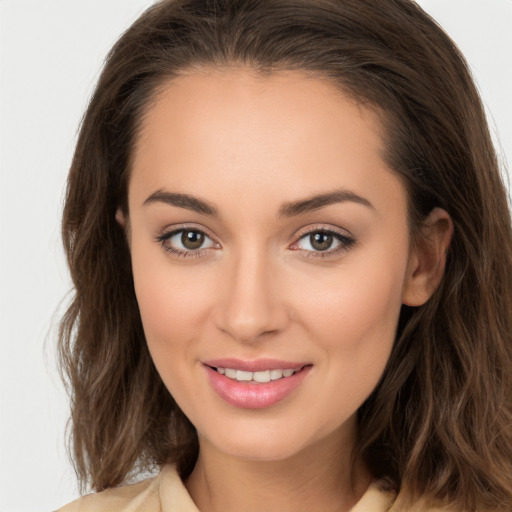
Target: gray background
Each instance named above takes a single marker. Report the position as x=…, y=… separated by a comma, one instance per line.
x=51, y=53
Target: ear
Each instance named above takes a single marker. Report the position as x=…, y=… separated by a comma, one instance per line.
x=124, y=221
x=120, y=218
x=427, y=259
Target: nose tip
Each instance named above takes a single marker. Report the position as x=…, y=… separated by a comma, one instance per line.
x=247, y=329
x=251, y=308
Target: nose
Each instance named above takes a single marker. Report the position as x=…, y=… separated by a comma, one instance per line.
x=251, y=306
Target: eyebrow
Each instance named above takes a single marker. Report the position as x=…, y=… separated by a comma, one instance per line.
x=289, y=209
x=320, y=201
x=182, y=201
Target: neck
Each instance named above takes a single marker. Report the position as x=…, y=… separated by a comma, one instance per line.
x=319, y=478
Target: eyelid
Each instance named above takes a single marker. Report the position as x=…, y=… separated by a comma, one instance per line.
x=346, y=239
x=326, y=228
x=170, y=231
x=173, y=228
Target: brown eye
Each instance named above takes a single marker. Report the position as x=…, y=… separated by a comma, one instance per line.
x=192, y=240
x=321, y=241
x=186, y=242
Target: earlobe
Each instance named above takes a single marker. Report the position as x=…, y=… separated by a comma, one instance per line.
x=427, y=259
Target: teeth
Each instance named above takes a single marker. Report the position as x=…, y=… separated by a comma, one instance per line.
x=230, y=373
x=241, y=375
x=276, y=374
x=263, y=376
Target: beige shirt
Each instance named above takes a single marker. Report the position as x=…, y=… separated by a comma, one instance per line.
x=166, y=493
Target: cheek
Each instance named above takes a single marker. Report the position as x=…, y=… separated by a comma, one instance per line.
x=353, y=314
x=173, y=302
x=367, y=306
x=354, y=325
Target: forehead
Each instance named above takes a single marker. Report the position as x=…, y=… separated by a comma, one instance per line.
x=234, y=130
x=269, y=104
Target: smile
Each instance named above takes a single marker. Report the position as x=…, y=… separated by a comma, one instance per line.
x=255, y=385
x=261, y=376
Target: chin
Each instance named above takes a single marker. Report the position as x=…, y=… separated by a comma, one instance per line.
x=260, y=449
x=263, y=441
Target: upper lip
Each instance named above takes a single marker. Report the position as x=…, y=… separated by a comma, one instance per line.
x=257, y=365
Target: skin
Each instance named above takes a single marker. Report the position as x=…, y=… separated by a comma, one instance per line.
x=257, y=288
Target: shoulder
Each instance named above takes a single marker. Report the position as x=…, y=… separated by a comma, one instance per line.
x=423, y=505
x=164, y=492
x=140, y=497
x=378, y=499
x=121, y=499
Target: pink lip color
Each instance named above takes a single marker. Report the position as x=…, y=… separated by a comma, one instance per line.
x=258, y=365
x=251, y=395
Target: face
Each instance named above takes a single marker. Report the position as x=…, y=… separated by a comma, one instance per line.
x=270, y=250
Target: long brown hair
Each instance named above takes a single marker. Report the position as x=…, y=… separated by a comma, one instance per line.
x=439, y=424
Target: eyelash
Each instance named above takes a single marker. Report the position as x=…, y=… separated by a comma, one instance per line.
x=345, y=242
x=180, y=253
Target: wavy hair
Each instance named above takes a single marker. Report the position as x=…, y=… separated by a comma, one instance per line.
x=439, y=424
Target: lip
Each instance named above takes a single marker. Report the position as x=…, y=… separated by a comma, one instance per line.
x=258, y=365
x=251, y=395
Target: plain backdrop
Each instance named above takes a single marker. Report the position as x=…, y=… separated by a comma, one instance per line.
x=51, y=54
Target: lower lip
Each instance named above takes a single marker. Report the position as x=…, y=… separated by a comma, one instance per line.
x=251, y=395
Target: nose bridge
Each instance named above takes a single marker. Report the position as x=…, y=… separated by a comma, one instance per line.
x=251, y=303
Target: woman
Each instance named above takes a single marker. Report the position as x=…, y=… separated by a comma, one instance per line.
x=291, y=249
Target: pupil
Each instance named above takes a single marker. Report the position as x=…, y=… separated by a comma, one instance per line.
x=321, y=241
x=192, y=239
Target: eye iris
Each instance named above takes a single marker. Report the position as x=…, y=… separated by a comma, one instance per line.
x=321, y=241
x=192, y=239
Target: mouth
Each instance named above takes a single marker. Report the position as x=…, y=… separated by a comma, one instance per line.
x=261, y=377
x=255, y=385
